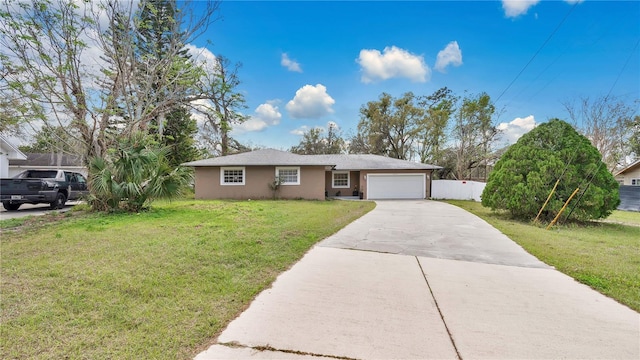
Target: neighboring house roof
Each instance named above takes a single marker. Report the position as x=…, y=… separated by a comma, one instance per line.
x=13, y=152
x=631, y=167
x=49, y=160
x=337, y=161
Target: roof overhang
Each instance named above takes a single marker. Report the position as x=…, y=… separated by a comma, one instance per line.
x=631, y=167
x=13, y=153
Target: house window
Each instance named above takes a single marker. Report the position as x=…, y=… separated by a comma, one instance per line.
x=635, y=182
x=232, y=176
x=288, y=175
x=341, y=179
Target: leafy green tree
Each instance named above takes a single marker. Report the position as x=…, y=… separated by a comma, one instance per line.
x=526, y=173
x=56, y=139
x=133, y=175
x=432, y=135
x=311, y=143
x=158, y=37
x=179, y=136
x=473, y=134
x=11, y=108
x=390, y=125
x=314, y=143
x=406, y=127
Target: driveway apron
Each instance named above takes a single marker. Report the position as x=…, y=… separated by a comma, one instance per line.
x=427, y=280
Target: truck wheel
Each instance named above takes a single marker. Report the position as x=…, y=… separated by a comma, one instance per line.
x=59, y=202
x=10, y=207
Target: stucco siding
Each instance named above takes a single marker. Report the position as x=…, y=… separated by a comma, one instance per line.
x=257, y=180
x=364, y=173
x=4, y=164
x=354, y=180
x=633, y=174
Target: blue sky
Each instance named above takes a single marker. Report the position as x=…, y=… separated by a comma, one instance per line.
x=305, y=64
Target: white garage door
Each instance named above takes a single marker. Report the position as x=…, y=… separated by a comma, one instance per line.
x=396, y=186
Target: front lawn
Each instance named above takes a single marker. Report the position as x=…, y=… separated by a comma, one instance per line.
x=624, y=217
x=605, y=256
x=155, y=285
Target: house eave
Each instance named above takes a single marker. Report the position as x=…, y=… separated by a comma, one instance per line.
x=14, y=152
x=631, y=167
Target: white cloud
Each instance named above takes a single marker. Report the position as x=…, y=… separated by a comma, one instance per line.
x=300, y=131
x=391, y=63
x=573, y=1
x=515, y=8
x=450, y=55
x=250, y=125
x=202, y=56
x=310, y=102
x=291, y=65
x=513, y=130
x=264, y=115
x=268, y=112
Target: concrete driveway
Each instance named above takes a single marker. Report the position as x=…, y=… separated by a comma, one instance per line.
x=427, y=280
x=33, y=210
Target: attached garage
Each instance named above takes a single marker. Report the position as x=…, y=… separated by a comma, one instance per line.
x=365, y=176
x=396, y=186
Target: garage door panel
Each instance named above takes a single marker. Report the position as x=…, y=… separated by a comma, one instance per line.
x=396, y=186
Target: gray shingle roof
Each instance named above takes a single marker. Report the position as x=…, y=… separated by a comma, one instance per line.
x=339, y=161
x=371, y=162
x=260, y=157
x=49, y=159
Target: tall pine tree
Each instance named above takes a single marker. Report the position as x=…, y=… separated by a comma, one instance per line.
x=160, y=35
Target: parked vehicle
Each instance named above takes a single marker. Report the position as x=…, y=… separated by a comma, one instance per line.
x=53, y=187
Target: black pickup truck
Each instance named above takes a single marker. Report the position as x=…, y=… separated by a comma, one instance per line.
x=53, y=187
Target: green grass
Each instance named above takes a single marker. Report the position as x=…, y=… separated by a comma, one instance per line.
x=605, y=256
x=155, y=285
x=624, y=217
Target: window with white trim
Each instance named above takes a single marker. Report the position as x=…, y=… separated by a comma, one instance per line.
x=341, y=179
x=635, y=182
x=288, y=175
x=232, y=175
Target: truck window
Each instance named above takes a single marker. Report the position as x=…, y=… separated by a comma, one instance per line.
x=38, y=174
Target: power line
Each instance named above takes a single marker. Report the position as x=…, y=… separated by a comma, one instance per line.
x=623, y=68
x=538, y=51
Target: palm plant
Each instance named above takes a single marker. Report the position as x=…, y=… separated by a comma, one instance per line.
x=134, y=175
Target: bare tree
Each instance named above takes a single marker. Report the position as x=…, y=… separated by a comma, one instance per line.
x=80, y=66
x=604, y=121
x=633, y=127
x=42, y=47
x=222, y=105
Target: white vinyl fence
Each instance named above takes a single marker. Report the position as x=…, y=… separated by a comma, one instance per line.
x=457, y=189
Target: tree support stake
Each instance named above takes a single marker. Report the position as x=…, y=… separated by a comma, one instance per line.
x=548, y=198
x=564, y=207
